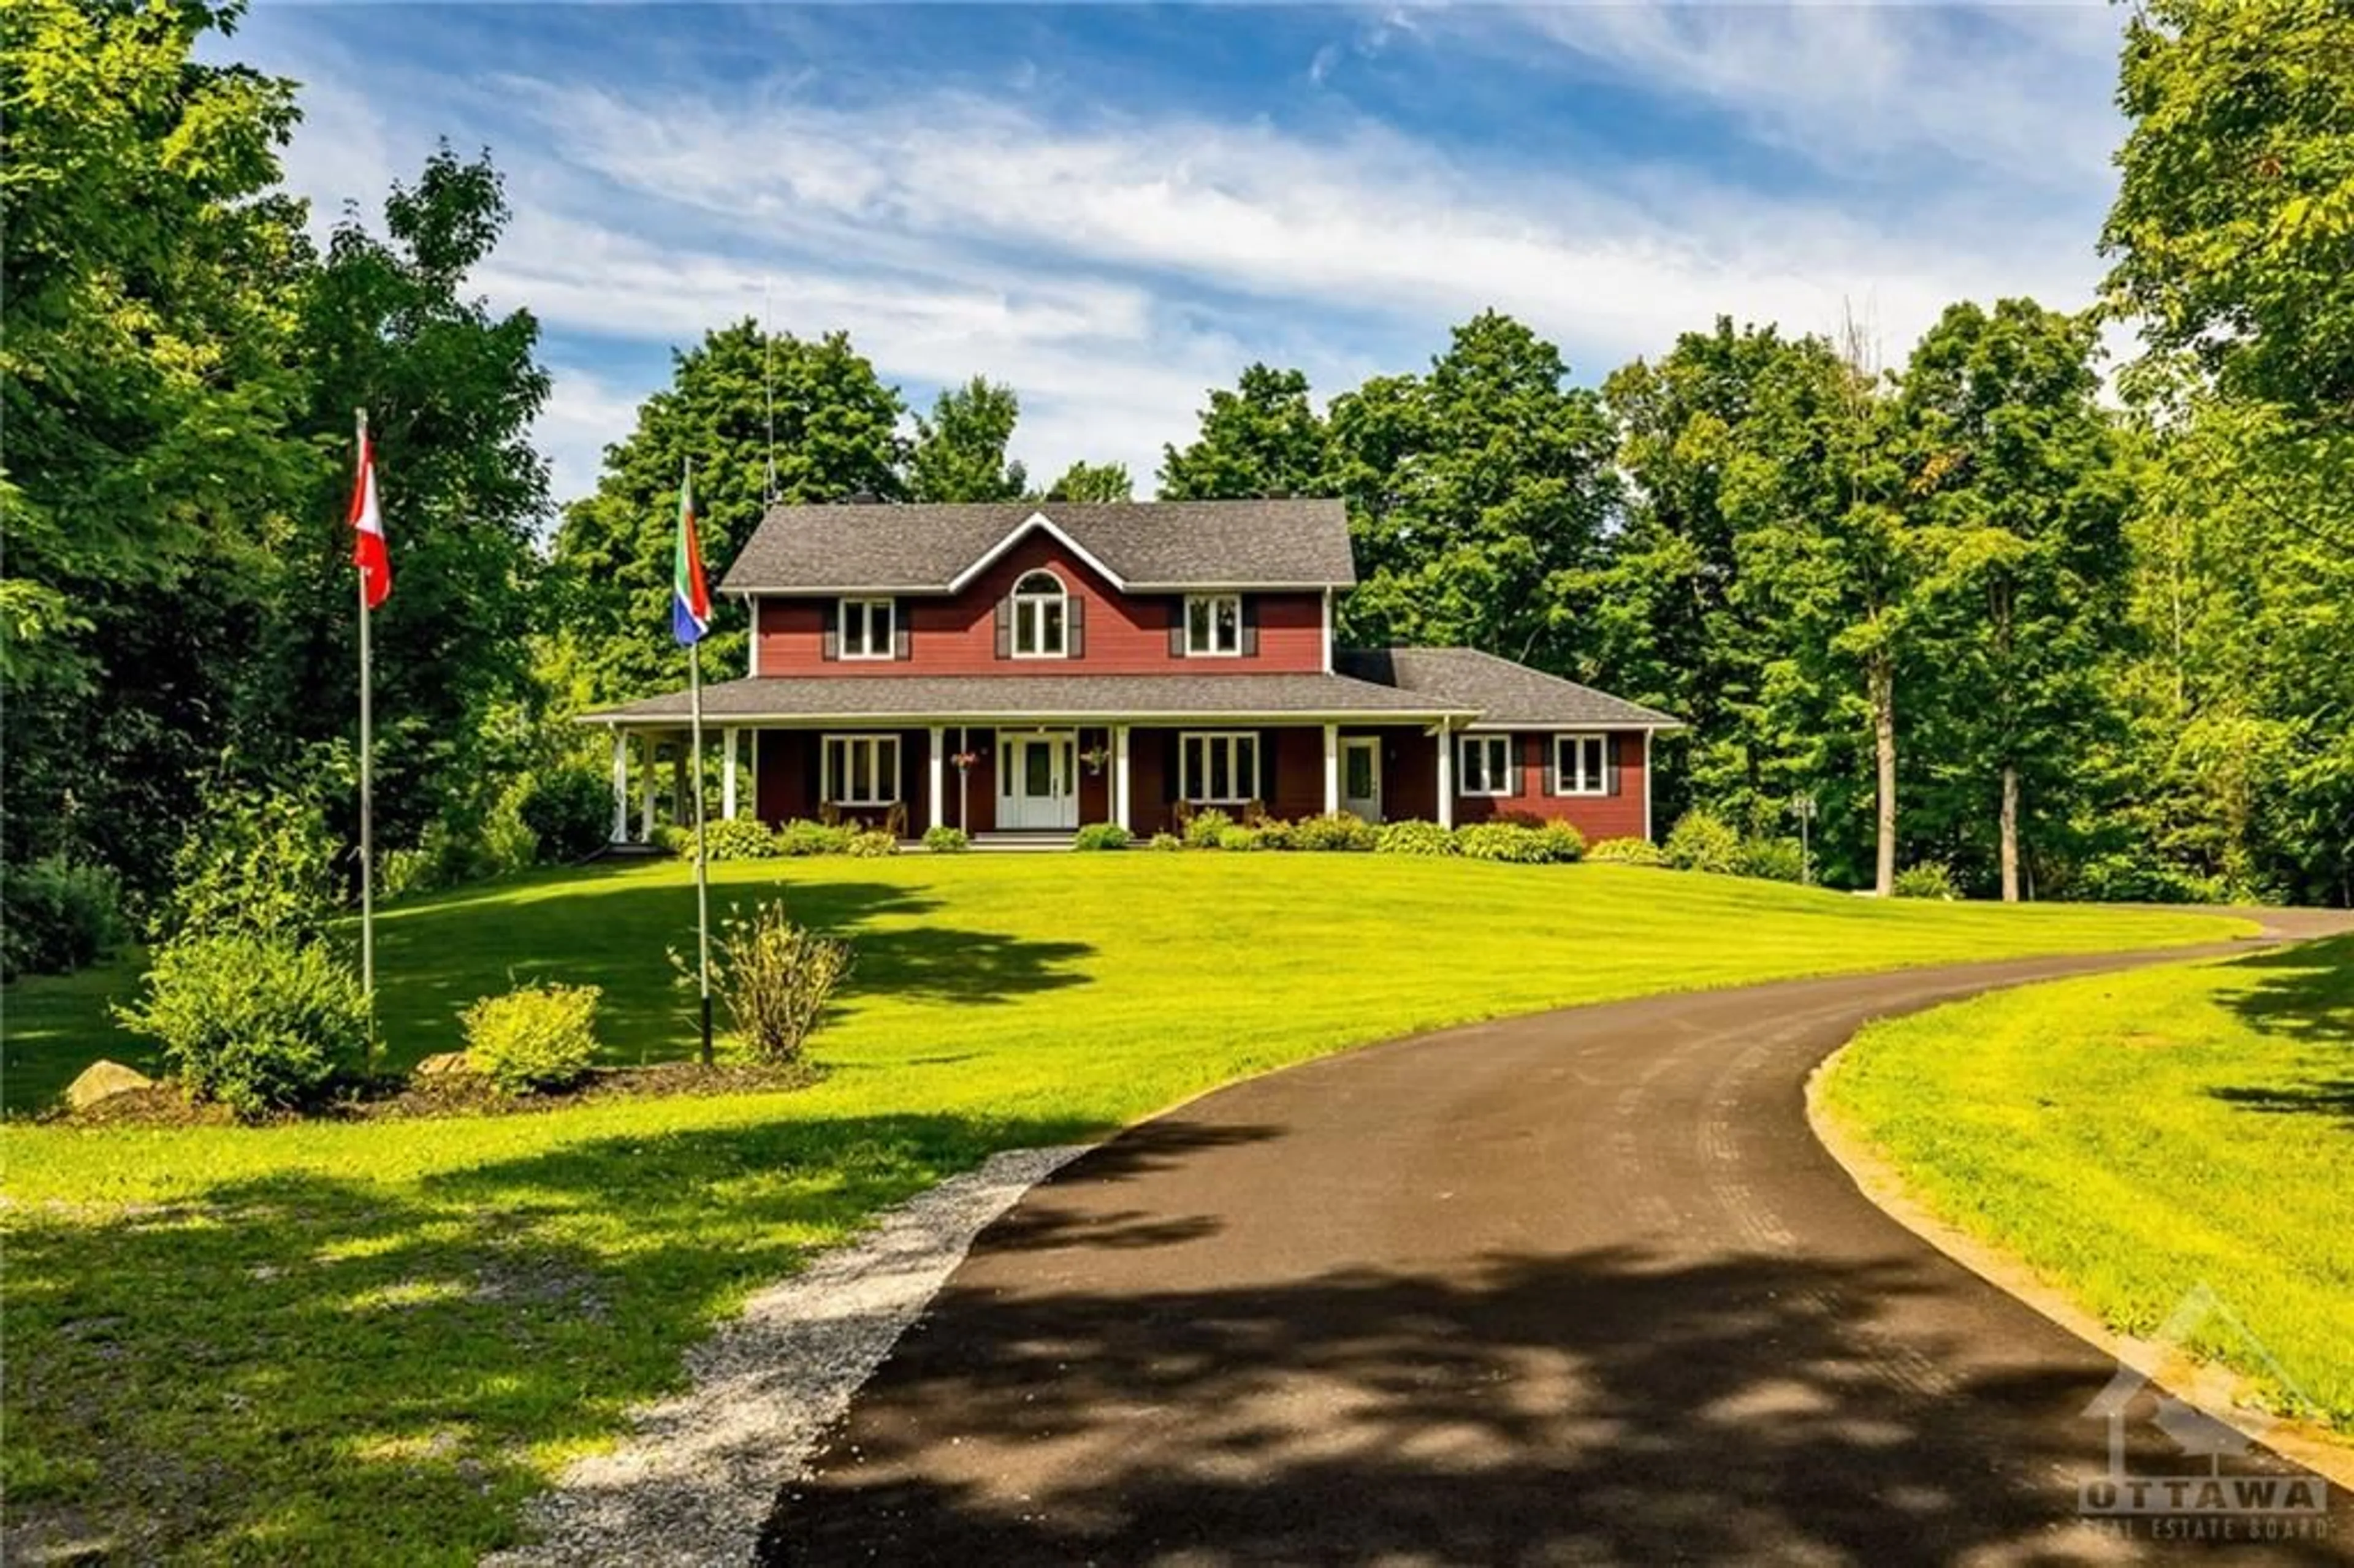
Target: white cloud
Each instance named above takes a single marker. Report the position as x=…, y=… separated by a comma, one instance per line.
x=1114, y=263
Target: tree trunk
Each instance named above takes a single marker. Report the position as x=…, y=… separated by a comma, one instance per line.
x=1882, y=679
x=2010, y=833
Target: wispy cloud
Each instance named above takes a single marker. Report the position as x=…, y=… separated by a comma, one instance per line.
x=1113, y=255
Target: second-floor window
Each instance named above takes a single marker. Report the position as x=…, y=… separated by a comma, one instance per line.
x=869, y=627
x=1213, y=625
x=1041, y=617
x=1486, y=764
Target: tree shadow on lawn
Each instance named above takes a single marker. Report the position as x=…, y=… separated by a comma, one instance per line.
x=436, y=960
x=2305, y=995
x=1602, y=1406
x=306, y=1366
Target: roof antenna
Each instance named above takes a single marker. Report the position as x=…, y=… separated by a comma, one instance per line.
x=768, y=397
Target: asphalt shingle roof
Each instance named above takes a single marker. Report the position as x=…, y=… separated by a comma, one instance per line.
x=1503, y=692
x=1146, y=544
x=1025, y=696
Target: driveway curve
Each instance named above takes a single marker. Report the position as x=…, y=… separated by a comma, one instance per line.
x=1574, y=1287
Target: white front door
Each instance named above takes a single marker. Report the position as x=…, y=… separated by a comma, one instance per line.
x=1037, y=781
x=1361, y=777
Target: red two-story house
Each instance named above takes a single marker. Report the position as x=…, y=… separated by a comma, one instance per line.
x=1023, y=669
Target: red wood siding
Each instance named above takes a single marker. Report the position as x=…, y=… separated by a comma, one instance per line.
x=1124, y=635
x=1618, y=816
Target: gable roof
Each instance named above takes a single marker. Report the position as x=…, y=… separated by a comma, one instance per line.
x=1507, y=695
x=1141, y=545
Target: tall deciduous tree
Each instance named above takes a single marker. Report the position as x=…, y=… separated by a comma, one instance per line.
x=2234, y=216
x=1843, y=578
x=451, y=389
x=152, y=273
x=1720, y=438
x=1478, y=496
x=2016, y=477
x=959, y=451
x=835, y=424
x=1261, y=439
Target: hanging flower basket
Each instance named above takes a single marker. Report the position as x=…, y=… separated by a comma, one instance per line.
x=1095, y=757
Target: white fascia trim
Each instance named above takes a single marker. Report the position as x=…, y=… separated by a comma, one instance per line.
x=980, y=718
x=1036, y=520
x=1554, y=727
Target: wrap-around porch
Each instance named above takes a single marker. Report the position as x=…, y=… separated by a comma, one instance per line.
x=1031, y=777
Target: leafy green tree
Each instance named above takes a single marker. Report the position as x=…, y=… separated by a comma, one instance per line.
x=1842, y=576
x=147, y=384
x=1721, y=436
x=1478, y=496
x=2234, y=215
x=2243, y=573
x=1263, y=439
x=960, y=452
x=450, y=390
x=836, y=439
x=1097, y=483
x=2017, y=480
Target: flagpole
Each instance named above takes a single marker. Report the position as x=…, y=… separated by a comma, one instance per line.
x=368, y=751
x=701, y=860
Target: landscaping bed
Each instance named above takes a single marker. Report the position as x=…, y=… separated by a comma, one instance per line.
x=443, y=1095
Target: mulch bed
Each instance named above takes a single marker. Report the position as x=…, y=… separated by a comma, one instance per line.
x=447, y=1094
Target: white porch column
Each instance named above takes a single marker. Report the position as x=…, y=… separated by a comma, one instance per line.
x=1446, y=777
x=938, y=777
x=621, y=785
x=1119, y=809
x=1331, y=769
x=727, y=771
x=646, y=790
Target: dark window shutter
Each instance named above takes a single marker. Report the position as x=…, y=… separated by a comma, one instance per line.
x=1074, y=627
x=1176, y=628
x=1266, y=768
x=1613, y=748
x=903, y=638
x=1169, y=779
x=1005, y=627
x=812, y=759
x=830, y=645
x=1549, y=758
x=1250, y=627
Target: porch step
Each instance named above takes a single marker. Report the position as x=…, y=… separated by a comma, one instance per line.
x=1029, y=843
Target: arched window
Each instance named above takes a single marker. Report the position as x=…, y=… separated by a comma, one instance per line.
x=1041, y=617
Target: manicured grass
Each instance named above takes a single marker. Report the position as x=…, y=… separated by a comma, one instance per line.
x=368, y=1342
x=2135, y=1136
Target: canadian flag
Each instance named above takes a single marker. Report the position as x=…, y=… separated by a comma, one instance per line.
x=369, y=553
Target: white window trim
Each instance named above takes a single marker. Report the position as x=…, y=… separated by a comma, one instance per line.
x=865, y=606
x=1208, y=738
x=1037, y=601
x=1213, y=600
x=831, y=789
x=1562, y=783
x=1463, y=745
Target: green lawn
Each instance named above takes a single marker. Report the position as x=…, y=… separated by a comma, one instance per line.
x=2135, y=1136
x=369, y=1342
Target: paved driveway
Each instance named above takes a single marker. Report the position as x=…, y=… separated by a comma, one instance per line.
x=1576, y=1287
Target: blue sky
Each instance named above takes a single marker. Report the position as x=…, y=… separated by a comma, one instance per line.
x=1115, y=207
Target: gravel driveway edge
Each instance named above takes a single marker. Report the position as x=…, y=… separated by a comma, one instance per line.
x=698, y=1473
